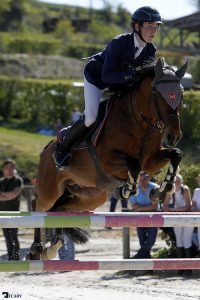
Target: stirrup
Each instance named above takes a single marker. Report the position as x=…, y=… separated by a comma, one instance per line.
x=66, y=159
x=64, y=163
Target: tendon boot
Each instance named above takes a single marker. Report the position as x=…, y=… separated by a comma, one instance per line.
x=66, y=138
x=180, y=254
x=188, y=254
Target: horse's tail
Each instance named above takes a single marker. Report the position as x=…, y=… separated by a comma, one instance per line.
x=78, y=235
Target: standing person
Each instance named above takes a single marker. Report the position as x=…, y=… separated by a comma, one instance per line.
x=113, y=203
x=196, y=207
x=76, y=114
x=58, y=126
x=104, y=70
x=142, y=202
x=10, y=191
x=180, y=201
x=67, y=251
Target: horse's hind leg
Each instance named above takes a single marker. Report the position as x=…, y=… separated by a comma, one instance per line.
x=36, y=247
x=57, y=242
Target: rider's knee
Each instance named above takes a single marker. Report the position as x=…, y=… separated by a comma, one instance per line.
x=89, y=121
x=62, y=134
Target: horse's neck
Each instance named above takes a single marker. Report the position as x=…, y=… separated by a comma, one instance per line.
x=143, y=97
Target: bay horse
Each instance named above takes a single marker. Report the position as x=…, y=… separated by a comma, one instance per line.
x=132, y=139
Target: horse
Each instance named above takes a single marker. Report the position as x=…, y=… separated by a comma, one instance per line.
x=140, y=132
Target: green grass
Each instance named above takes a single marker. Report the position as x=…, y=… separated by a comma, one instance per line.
x=24, y=147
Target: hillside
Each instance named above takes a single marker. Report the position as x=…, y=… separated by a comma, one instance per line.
x=41, y=66
x=24, y=147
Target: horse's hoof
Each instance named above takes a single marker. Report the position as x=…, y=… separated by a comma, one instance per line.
x=31, y=256
x=119, y=194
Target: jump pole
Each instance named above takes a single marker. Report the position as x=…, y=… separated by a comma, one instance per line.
x=85, y=219
x=76, y=265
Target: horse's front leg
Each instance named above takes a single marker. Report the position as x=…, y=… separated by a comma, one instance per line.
x=173, y=156
x=168, y=186
x=131, y=186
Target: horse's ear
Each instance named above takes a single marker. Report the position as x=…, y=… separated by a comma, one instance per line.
x=181, y=72
x=159, y=67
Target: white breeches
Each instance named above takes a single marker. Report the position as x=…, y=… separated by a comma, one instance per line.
x=92, y=97
x=183, y=236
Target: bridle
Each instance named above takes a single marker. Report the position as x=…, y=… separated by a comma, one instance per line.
x=162, y=121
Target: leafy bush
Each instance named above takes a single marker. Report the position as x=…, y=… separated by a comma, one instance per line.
x=190, y=173
x=194, y=68
x=38, y=102
x=64, y=30
x=172, y=58
x=102, y=32
x=81, y=50
x=32, y=44
x=190, y=115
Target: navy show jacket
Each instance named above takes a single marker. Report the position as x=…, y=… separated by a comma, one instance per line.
x=104, y=69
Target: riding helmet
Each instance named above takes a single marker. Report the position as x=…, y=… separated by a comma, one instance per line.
x=146, y=14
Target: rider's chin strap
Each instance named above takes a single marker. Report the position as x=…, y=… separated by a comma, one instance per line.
x=139, y=33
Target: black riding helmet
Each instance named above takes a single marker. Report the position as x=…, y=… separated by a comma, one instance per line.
x=145, y=14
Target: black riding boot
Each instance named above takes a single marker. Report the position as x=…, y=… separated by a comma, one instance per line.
x=66, y=138
x=180, y=254
x=188, y=254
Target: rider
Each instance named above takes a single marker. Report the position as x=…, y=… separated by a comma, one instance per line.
x=104, y=70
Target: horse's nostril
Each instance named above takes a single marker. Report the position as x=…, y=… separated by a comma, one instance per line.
x=170, y=139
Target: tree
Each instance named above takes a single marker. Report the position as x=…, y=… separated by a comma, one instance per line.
x=123, y=17
x=12, y=13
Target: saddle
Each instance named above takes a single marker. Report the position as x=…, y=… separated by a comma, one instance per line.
x=94, y=133
x=107, y=99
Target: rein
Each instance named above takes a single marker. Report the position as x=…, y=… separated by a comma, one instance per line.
x=158, y=125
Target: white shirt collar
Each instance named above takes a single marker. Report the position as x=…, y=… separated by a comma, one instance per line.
x=139, y=44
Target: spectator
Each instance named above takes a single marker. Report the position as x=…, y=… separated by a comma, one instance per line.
x=142, y=202
x=180, y=201
x=76, y=114
x=113, y=203
x=58, y=126
x=196, y=207
x=10, y=191
x=67, y=251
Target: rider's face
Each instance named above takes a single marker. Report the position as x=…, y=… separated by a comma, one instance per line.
x=149, y=30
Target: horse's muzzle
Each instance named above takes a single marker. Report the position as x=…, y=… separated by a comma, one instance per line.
x=173, y=139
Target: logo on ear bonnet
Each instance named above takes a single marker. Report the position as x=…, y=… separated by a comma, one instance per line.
x=172, y=96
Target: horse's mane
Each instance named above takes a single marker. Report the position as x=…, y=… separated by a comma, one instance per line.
x=49, y=143
x=147, y=69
